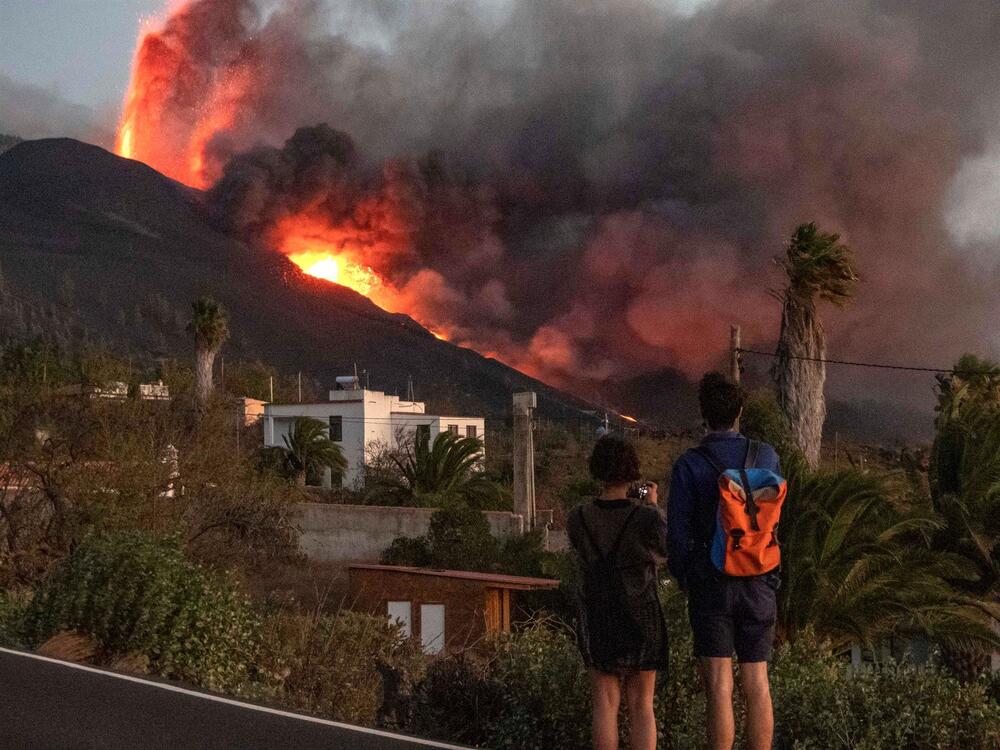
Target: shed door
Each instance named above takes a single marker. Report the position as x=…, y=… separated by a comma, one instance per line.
x=401, y=612
x=432, y=628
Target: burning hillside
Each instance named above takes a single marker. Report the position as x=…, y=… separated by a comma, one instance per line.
x=584, y=191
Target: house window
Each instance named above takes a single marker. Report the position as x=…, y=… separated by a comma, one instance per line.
x=470, y=431
x=401, y=613
x=424, y=432
x=453, y=429
x=432, y=628
x=337, y=429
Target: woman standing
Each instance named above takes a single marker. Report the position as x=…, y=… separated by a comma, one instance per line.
x=622, y=634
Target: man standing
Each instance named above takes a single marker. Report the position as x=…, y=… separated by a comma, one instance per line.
x=728, y=614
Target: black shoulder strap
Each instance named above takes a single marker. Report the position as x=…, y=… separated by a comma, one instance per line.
x=621, y=533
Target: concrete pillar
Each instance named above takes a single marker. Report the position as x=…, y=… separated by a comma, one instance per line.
x=524, y=458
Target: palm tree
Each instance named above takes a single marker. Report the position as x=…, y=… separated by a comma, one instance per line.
x=861, y=570
x=818, y=268
x=450, y=469
x=308, y=449
x=210, y=326
x=965, y=486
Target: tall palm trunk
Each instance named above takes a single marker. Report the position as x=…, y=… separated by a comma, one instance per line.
x=204, y=366
x=800, y=379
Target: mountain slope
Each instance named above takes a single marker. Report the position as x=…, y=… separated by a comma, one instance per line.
x=127, y=249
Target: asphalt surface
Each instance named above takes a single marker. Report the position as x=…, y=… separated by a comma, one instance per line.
x=52, y=705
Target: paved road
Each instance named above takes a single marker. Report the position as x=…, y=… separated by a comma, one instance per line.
x=50, y=705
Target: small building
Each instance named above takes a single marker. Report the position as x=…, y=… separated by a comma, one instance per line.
x=251, y=410
x=363, y=421
x=448, y=610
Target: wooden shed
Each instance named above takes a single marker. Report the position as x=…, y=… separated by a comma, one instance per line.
x=446, y=609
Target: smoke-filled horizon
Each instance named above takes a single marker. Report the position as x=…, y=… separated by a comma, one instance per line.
x=590, y=190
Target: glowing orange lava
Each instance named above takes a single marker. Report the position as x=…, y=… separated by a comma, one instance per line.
x=327, y=253
x=173, y=108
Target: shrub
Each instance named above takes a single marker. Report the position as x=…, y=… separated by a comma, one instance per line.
x=136, y=594
x=819, y=703
x=334, y=663
x=458, y=701
x=13, y=605
x=542, y=692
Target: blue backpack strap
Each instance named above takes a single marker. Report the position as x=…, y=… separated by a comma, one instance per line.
x=753, y=453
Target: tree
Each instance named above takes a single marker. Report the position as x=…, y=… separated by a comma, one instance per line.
x=861, y=569
x=210, y=326
x=448, y=470
x=965, y=486
x=308, y=449
x=818, y=268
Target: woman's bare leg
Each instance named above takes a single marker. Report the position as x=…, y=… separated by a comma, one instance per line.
x=607, y=696
x=639, y=688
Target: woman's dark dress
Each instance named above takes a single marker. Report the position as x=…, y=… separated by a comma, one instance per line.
x=641, y=549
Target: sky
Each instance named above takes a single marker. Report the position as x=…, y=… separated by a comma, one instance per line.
x=77, y=49
x=80, y=49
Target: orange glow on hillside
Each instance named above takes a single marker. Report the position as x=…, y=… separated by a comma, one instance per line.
x=326, y=253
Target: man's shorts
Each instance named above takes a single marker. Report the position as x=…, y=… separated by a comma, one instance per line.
x=733, y=615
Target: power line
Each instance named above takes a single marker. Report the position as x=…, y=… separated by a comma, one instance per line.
x=875, y=365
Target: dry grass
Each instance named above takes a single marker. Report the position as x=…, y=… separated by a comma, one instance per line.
x=69, y=645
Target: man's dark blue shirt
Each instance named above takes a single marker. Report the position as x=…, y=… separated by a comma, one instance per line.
x=693, y=503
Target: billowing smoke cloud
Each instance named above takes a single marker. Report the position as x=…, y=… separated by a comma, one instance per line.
x=594, y=189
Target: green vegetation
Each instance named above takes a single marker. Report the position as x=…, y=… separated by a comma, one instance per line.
x=309, y=451
x=139, y=596
x=531, y=691
x=425, y=474
x=210, y=327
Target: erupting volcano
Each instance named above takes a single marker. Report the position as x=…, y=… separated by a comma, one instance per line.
x=176, y=104
x=587, y=192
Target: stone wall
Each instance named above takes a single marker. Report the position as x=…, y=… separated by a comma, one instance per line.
x=360, y=533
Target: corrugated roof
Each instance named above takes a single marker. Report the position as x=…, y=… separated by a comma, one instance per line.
x=498, y=580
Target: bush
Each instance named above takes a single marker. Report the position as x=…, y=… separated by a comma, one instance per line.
x=820, y=704
x=13, y=605
x=531, y=691
x=334, y=664
x=138, y=595
x=542, y=692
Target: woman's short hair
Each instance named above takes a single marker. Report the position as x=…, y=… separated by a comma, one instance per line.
x=721, y=401
x=614, y=461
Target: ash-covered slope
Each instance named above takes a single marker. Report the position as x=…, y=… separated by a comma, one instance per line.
x=123, y=250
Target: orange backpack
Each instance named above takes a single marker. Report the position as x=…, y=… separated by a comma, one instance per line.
x=745, y=543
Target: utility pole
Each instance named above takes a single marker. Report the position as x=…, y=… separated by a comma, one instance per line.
x=524, y=458
x=300, y=386
x=734, y=354
x=271, y=387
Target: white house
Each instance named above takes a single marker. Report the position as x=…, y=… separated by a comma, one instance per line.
x=359, y=420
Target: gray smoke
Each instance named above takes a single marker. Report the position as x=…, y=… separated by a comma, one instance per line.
x=31, y=112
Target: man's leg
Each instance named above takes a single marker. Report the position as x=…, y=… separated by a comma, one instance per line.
x=717, y=674
x=639, y=689
x=760, y=713
x=607, y=697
